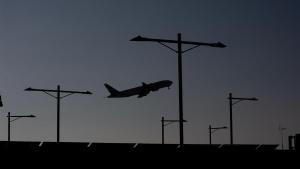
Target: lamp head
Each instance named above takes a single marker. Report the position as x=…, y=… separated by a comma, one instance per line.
x=88, y=92
x=139, y=38
x=28, y=89
x=219, y=45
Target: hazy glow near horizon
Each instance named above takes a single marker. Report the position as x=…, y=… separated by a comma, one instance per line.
x=82, y=44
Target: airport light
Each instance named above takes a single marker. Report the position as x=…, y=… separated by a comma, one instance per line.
x=9, y=120
x=231, y=103
x=166, y=123
x=58, y=97
x=179, y=51
x=211, y=130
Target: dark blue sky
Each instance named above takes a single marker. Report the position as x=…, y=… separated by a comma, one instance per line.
x=82, y=44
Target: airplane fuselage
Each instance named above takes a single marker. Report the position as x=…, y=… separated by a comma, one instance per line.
x=141, y=91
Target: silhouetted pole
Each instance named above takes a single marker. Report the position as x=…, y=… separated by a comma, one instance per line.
x=179, y=51
x=231, y=125
x=9, y=116
x=180, y=90
x=162, y=130
x=231, y=103
x=58, y=97
x=282, y=146
x=8, y=127
x=209, y=129
x=58, y=114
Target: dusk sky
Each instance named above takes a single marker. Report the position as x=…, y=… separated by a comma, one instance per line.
x=82, y=44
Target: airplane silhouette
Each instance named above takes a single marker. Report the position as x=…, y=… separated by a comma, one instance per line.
x=141, y=91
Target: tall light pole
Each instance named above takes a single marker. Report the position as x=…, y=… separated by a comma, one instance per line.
x=15, y=118
x=211, y=130
x=179, y=51
x=58, y=97
x=231, y=103
x=164, y=123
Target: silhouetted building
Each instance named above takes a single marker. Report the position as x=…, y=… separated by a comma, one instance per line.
x=69, y=147
x=291, y=143
x=297, y=142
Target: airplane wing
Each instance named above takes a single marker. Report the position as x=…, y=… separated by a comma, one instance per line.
x=144, y=91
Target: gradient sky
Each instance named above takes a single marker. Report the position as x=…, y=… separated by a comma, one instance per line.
x=82, y=44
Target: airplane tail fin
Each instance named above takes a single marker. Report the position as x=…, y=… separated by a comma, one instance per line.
x=111, y=90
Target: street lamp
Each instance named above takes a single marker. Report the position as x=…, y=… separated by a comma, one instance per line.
x=166, y=123
x=9, y=120
x=179, y=51
x=231, y=103
x=211, y=130
x=58, y=97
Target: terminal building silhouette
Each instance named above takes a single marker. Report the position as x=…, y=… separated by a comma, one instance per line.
x=85, y=147
x=90, y=147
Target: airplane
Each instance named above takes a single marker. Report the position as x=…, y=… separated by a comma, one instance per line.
x=141, y=91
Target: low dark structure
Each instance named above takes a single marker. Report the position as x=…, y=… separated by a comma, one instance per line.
x=45, y=147
x=297, y=142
